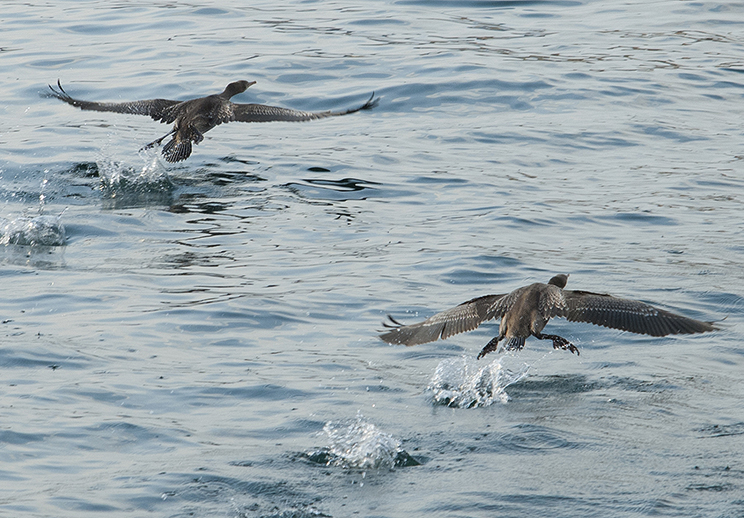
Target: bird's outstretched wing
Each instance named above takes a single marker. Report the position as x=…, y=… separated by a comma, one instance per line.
x=465, y=317
x=628, y=315
x=154, y=108
x=265, y=113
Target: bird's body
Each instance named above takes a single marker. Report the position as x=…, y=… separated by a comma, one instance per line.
x=192, y=118
x=525, y=311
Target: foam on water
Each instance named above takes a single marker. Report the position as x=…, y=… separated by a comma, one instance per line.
x=465, y=383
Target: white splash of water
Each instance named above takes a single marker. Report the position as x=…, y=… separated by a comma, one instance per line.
x=361, y=445
x=134, y=186
x=33, y=231
x=465, y=383
x=39, y=230
x=116, y=176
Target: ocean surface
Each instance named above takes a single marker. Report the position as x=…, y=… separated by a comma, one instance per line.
x=200, y=339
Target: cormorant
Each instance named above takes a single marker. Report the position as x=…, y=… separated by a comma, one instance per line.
x=525, y=311
x=195, y=117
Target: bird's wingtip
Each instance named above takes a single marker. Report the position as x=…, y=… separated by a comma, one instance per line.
x=391, y=332
x=714, y=324
x=393, y=324
x=372, y=101
x=59, y=92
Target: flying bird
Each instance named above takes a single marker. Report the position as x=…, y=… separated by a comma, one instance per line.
x=525, y=311
x=192, y=118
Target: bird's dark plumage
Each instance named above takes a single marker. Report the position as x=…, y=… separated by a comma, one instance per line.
x=192, y=118
x=525, y=311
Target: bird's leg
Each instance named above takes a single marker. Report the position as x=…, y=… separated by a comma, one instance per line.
x=490, y=346
x=158, y=141
x=559, y=342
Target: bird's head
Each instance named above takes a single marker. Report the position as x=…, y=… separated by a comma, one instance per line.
x=238, y=87
x=559, y=280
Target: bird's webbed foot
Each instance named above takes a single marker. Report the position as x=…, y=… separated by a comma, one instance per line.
x=490, y=346
x=560, y=343
x=157, y=142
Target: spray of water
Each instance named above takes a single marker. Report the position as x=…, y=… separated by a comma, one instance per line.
x=119, y=178
x=360, y=445
x=128, y=186
x=34, y=230
x=465, y=383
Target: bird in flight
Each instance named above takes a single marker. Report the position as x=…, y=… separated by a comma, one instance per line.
x=525, y=311
x=192, y=118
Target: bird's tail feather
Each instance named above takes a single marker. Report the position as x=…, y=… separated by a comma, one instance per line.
x=515, y=343
x=176, y=150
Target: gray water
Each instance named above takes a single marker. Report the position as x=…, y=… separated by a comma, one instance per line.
x=200, y=339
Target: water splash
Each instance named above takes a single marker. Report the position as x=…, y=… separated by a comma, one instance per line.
x=361, y=445
x=125, y=186
x=38, y=230
x=465, y=383
x=309, y=512
x=33, y=231
x=42, y=194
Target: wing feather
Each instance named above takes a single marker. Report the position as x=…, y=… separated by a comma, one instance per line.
x=628, y=315
x=154, y=108
x=265, y=113
x=464, y=317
